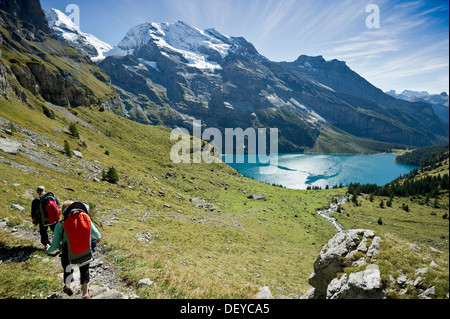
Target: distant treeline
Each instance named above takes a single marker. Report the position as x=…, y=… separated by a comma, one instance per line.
x=424, y=156
x=430, y=185
x=408, y=185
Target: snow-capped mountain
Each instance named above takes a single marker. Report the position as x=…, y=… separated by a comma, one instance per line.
x=199, y=49
x=440, y=102
x=414, y=96
x=169, y=73
x=69, y=32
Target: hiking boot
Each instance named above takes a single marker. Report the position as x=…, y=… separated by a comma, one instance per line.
x=68, y=291
x=89, y=295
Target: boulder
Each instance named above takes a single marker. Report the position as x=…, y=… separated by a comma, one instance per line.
x=433, y=264
x=18, y=207
x=77, y=154
x=144, y=282
x=421, y=271
x=257, y=197
x=198, y=202
x=264, y=293
x=431, y=291
x=434, y=250
x=414, y=246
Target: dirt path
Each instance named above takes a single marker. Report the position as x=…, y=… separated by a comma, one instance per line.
x=105, y=283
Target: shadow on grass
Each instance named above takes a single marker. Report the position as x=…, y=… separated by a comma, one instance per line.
x=16, y=254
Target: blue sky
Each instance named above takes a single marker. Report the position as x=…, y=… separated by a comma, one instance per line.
x=408, y=51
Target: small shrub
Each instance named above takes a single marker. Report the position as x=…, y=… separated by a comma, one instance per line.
x=67, y=149
x=389, y=202
x=111, y=175
x=380, y=221
x=435, y=203
x=405, y=207
x=12, y=128
x=74, y=130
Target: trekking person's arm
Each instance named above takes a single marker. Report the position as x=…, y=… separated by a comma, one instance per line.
x=33, y=212
x=57, y=236
x=94, y=232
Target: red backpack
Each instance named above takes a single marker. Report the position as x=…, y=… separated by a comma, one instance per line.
x=49, y=209
x=77, y=232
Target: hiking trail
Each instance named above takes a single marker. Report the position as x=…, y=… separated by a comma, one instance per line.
x=105, y=283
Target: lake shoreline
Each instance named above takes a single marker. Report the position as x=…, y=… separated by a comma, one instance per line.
x=313, y=170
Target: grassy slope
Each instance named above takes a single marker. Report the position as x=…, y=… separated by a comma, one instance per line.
x=193, y=252
x=424, y=225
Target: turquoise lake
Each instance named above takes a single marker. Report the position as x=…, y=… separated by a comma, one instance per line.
x=298, y=171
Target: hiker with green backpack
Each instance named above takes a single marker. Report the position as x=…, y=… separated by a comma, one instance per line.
x=45, y=213
x=78, y=235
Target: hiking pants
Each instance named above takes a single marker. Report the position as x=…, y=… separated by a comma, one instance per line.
x=44, y=235
x=68, y=270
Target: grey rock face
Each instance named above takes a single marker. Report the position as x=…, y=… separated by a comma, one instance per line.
x=5, y=88
x=9, y=146
x=431, y=291
x=339, y=253
x=360, y=285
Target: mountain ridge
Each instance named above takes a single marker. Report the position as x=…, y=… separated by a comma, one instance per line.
x=239, y=87
x=440, y=102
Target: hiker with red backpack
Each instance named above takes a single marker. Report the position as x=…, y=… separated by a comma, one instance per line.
x=45, y=213
x=77, y=234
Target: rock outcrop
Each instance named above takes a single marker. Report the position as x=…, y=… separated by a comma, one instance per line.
x=48, y=69
x=5, y=88
x=355, y=247
x=364, y=284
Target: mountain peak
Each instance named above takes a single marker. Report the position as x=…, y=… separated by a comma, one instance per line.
x=201, y=49
x=57, y=19
x=69, y=32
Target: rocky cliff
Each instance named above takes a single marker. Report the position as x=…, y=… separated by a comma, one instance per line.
x=35, y=63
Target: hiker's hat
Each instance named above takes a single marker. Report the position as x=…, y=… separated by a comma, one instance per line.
x=40, y=188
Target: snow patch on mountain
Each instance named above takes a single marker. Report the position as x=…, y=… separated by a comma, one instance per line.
x=152, y=64
x=201, y=49
x=70, y=33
